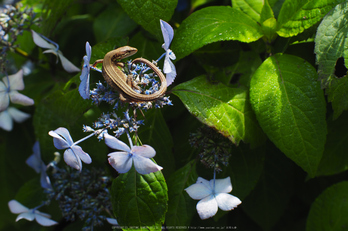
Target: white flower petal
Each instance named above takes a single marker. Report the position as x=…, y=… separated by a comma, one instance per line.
x=72, y=160
x=144, y=165
x=207, y=207
x=223, y=185
x=198, y=191
x=4, y=100
x=201, y=180
x=39, y=41
x=120, y=161
x=67, y=65
x=28, y=216
x=16, y=207
x=63, y=134
x=18, y=115
x=114, y=143
x=226, y=201
x=6, y=121
x=144, y=151
x=44, y=221
x=21, y=99
x=16, y=81
x=81, y=154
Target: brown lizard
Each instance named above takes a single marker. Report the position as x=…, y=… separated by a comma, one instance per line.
x=118, y=80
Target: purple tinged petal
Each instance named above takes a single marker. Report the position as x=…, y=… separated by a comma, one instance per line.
x=207, y=207
x=167, y=32
x=6, y=122
x=28, y=216
x=120, y=161
x=17, y=115
x=21, y=99
x=72, y=160
x=144, y=165
x=112, y=221
x=44, y=221
x=34, y=161
x=81, y=154
x=4, y=99
x=88, y=51
x=63, y=135
x=222, y=185
x=16, y=207
x=84, y=77
x=114, y=143
x=44, y=179
x=39, y=41
x=227, y=202
x=144, y=151
x=198, y=191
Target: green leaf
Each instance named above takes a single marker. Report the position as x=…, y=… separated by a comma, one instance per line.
x=181, y=206
x=139, y=201
x=251, y=8
x=337, y=95
x=269, y=28
x=330, y=209
x=297, y=15
x=112, y=22
x=224, y=108
x=331, y=42
x=290, y=108
x=335, y=158
x=148, y=13
x=212, y=24
x=156, y=133
x=267, y=202
x=53, y=12
x=266, y=12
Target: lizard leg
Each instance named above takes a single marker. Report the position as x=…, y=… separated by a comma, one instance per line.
x=96, y=62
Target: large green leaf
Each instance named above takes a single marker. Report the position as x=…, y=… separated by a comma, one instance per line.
x=225, y=108
x=112, y=22
x=181, y=207
x=335, y=158
x=252, y=8
x=148, y=13
x=330, y=210
x=330, y=44
x=290, y=108
x=139, y=201
x=297, y=15
x=212, y=24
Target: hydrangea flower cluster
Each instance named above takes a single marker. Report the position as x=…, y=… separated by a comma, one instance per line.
x=13, y=21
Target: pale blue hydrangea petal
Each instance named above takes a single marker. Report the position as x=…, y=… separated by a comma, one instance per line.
x=81, y=154
x=72, y=160
x=44, y=221
x=167, y=32
x=120, y=161
x=169, y=70
x=222, y=185
x=112, y=221
x=67, y=65
x=39, y=41
x=6, y=121
x=84, y=77
x=21, y=99
x=44, y=179
x=34, y=161
x=207, y=207
x=16, y=207
x=198, y=191
x=145, y=151
x=226, y=201
x=201, y=180
x=61, y=138
x=17, y=115
x=28, y=216
x=114, y=143
x=144, y=165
